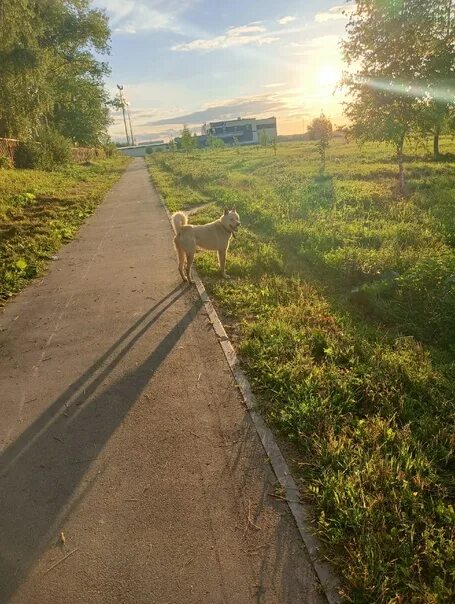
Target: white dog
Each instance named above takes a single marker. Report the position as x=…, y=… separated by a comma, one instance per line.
x=213, y=236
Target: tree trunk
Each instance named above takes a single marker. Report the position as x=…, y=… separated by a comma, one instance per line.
x=401, y=181
x=436, y=154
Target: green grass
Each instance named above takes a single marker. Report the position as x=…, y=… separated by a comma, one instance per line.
x=41, y=210
x=342, y=309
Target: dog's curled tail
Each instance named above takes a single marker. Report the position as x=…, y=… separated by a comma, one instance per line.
x=179, y=220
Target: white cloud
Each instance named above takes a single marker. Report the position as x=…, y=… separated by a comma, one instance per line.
x=242, y=35
x=275, y=85
x=285, y=20
x=246, y=29
x=336, y=12
x=134, y=16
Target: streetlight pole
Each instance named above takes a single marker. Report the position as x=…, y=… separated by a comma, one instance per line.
x=129, y=121
x=122, y=103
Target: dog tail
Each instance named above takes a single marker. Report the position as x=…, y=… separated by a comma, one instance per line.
x=179, y=220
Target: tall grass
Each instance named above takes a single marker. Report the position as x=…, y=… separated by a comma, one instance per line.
x=40, y=210
x=342, y=306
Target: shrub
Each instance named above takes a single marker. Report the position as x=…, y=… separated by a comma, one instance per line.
x=51, y=150
x=56, y=149
x=28, y=155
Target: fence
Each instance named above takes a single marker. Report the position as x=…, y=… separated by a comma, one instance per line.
x=79, y=155
x=7, y=147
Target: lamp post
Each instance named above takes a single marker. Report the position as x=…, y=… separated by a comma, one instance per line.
x=129, y=121
x=122, y=103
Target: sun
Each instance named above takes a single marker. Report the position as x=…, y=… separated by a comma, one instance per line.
x=328, y=75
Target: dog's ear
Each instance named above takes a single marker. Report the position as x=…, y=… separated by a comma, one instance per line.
x=226, y=211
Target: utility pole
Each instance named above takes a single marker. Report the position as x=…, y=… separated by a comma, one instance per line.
x=122, y=103
x=129, y=121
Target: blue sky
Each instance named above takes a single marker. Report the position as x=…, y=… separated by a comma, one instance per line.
x=193, y=61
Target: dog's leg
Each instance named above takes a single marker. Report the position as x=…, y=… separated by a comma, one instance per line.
x=181, y=254
x=222, y=260
x=189, y=264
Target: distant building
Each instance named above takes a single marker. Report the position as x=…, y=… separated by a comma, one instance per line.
x=246, y=131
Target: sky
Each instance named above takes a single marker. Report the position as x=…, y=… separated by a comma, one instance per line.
x=195, y=61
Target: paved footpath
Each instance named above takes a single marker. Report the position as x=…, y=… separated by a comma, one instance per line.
x=121, y=430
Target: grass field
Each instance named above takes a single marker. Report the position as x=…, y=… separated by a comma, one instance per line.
x=41, y=210
x=342, y=309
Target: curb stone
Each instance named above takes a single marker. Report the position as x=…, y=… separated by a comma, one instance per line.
x=301, y=512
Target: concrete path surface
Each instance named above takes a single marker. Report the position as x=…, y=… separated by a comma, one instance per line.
x=129, y=471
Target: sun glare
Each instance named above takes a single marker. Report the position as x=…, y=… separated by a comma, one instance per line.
x=327, y=75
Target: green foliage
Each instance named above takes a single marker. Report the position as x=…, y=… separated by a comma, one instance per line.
x=56, y=149
x=40, y=210
x=50, y=151
x=28, y=155
x=49, y=71
x=321, y=130
x=187, y=141
x=396, y=94
x=342, y=305
x=217, y=143
x=263, y=139
x=81, y=113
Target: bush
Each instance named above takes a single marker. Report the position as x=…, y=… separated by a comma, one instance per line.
x=56, y=149
x=51, y=150
x=28, y=155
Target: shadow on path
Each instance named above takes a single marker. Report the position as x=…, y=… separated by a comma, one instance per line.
x=40, y=473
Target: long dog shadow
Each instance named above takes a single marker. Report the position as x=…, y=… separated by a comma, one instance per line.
x=38, y=478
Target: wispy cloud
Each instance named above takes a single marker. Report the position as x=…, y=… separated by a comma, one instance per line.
x=136, y=16
x=246, y=29
x=323, y=44
x=225, y=110
x=285, y=20
x=336, y=12
x=243, y=35
x=275, y=85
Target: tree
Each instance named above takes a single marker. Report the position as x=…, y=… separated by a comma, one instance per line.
x=395, y=46
x=21, y=80
x=50, y=77
x=81, y=112
x=321, y=130
x=186, y=139
x=264, y=139
x=385, y=39
x=438, y=94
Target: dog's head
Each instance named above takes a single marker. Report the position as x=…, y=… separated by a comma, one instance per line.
x=231, y=220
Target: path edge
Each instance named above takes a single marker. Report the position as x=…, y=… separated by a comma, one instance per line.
x=301, y=512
